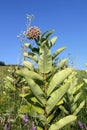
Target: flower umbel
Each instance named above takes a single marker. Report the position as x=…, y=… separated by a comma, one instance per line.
x=33, y=32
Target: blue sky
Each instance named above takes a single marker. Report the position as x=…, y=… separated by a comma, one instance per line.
x=67, y=17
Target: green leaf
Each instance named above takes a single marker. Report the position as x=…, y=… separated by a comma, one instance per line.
x=43, y=35
x=63, y=109
x=57, y=79
x=30, y=74
x=50, y=117
x=77, y=88
x=28, y=65
x=62, y=122
x=32, y=56
x=79, y=107
x=45, y=61
x=38, y=109
x=23, y=94
x=47, y=34
x=37, y=91
x=77, y=96
x=73, y=107
x=60, y=102
x=31, y=107
x=45, y=42
x=56, y=96
x=62, y=63
x=57, y=52
x=52, y=41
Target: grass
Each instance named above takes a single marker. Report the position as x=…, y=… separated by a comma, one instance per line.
x=3, y=71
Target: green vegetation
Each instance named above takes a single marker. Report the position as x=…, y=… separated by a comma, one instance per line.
x=42, y=94
x=51, y=96
x=81, y=74
x=9, y=103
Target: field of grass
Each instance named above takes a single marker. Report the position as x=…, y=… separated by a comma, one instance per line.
x=3, y=71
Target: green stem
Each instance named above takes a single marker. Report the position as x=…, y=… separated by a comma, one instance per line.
x=45, y=113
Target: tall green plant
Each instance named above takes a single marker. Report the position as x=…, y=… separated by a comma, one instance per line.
x=46, y=82
x=72, y=100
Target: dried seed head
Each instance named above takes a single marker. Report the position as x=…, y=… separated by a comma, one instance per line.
x=33, y=32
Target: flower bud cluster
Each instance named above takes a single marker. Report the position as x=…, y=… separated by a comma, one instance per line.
x=33, y=32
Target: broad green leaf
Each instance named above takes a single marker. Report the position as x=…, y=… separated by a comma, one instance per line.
x=60, y=102
x=57, y=52
x=38, y=109
x=63, y=109
x=30, y=74
x=34, y=100
x=70, y=97
x=45, y=42
x=56, y=96
x=30, y=108
x=52, y=41
x=79, y=107
x=63, y=122
x=62, y=63
x=73, y=107
x=77, y=88
x=32, y=56
x=58, y=78
x=50, y=117
x=35, y=88
x=37, y=91
x=29, y=65
x=45, y=61
x=47, y=34
x=43, y=35
x=77, y=96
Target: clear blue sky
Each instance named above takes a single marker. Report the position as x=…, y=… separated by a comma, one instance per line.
x=67, y=17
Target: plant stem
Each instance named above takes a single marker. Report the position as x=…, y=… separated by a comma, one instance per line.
x=45, y=113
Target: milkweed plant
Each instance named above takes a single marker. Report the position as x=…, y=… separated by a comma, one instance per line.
x=47, y=94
